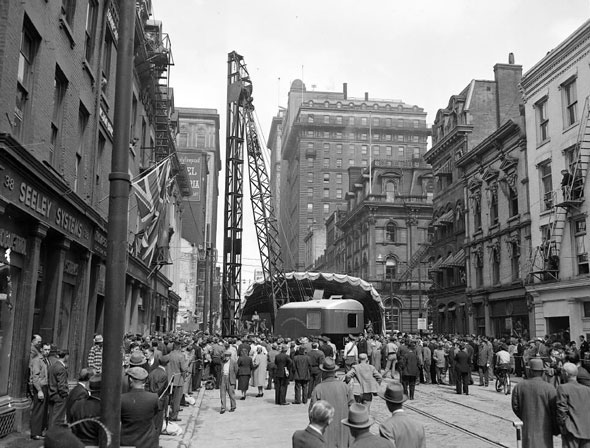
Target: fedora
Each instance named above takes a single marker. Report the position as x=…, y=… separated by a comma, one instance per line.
x=137, y=359
x=394, y=393
x=328, y=365
x=358, y=416
x=536, y=364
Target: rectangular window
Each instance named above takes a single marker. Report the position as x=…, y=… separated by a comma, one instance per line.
x=310, y=133
x=415, y=138
x=326, y=178
x=387, y=137
x=479, y=276
x=310, y=146
x=338, y=163
x=314, y=320
x=326, y=134
x=363, y=136
x=512, y=201
x=351, y=150
x=100, y=167
x=350, y=162
x=310, y=207
x=83, y=118
x=326, y=208
x=351, y=121
x=310, y=162
x=542, y=121
x=496, y=267
x=388, y=151
x=310, y=192
x=494, y=207
x=310, y=118
x=364, y=121
x=338, y=193
x=388, y=122
x=515, y=261
x=375, y=151
x=400, y=138
x=364, y=162
x=106, y=62
x=309, y=177
x=339, y=119
x=338, y=178
x=326, y=147
x=339, y=148
x=351, y=136
x=326, y=119
x=352, y=320
x=326, y=163
x=68, y=8
x=546, y=185
x=364, y=150
x=400, y=152
x=375, y=137
x=416, y=152
x=91, y=16
x=375, y=121
x=28, y=48
x=581, y=252
x=400, y=123
x=326, y=193
x=60, y=86
x=339, y=135
x=570, y=102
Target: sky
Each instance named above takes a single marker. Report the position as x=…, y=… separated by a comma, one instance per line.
x=419, y=51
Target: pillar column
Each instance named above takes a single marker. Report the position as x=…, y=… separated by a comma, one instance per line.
x=23, y=313
x=487, y=319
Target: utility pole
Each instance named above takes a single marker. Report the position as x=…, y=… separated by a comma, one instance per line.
x=116, y=265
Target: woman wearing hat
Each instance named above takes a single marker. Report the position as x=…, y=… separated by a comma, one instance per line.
x=245, y=367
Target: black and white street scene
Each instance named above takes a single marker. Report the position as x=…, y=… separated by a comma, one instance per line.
x=311, y=224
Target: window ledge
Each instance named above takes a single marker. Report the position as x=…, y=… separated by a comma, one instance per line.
x=494, y=227
x=63, y=24
x=571, y=126
x=514, y=218
x=88, y=69
x=543, y=143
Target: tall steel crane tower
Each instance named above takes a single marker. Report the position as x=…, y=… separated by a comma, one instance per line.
x=240, y=129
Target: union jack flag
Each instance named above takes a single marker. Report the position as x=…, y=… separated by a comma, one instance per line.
x=151, y=193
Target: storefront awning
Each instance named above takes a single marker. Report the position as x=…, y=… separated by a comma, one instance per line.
x=436, y=264
x=442, y=308
x=444, y=219
x=458, y=259
x=452, y=307
x=447, y=262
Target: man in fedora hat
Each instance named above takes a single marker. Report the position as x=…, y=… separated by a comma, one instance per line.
x=339, y=395
x=359, y=421
x=400, y=428
x=321, y=415
x=138, y=409
x=95, y=354
x=534, y=402
x=177, y=368
x=88, y=431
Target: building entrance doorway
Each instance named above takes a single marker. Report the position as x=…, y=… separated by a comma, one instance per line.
x=557, y=325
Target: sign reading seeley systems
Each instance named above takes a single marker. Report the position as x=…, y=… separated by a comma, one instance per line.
x=193, y=162
x=25, y=195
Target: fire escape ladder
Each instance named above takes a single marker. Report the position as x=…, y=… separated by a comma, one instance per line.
x=414, y=261
x=574, y=192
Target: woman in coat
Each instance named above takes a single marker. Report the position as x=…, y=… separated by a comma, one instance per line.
x=409, y=370
x=260, y=363
x=245, y=367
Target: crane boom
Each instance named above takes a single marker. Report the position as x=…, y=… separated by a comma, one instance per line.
x=241, y=128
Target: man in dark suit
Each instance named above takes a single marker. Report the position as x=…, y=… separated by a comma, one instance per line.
x=229, y=374
x=462, y=369
x=316, y=359
x=158, y=384
x=321, y=415
x=400, y=428
x=138, y=409
x=283, y=365
x=177, y=367
x=326, y=348
x=88, y=431
x=359, y=421
x=57, y=377
x=79, y=392
x=301, y=375
x=573, y=409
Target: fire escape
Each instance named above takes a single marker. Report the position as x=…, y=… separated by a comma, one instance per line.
x=544, y=262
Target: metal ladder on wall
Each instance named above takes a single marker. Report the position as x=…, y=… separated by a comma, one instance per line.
x=414, y=261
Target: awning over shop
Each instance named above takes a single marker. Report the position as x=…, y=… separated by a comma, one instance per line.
x=444, y=219
x=442, y=308
x=452, y=306
x=436, y=264
x=458, y=260
x=447, y=261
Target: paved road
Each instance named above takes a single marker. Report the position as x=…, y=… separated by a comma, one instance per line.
x=481, y=420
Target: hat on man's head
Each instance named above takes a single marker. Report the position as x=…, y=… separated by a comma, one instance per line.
x=363, y=356
x=163, y=360
x=284, y=347
x=328, y=365
x=98, y=338
x=94, y=383
x=394, y=393
x=536, y=364
x=358, y=417
x=137, y=373
x=137, y=359
x=227, y=353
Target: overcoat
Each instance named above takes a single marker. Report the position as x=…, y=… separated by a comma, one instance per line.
x=339, y=395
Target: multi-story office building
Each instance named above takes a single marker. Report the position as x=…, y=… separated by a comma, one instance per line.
x=274, y=146
x=556, y=105
x=57, y=91
x=198, y=149
x=469, y=118
x=382, y=235
x=323, y=135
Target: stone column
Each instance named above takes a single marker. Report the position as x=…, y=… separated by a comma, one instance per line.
x=23, y=313
x=487, y=319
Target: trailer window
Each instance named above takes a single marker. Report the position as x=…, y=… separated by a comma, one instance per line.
x=314, y=320
x=352, y=320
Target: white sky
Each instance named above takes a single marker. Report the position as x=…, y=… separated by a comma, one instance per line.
x=421, y=52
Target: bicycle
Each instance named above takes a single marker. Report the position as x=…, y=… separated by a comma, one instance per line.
x=502, y=381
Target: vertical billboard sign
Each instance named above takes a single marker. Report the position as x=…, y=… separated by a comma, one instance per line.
x=193, y=162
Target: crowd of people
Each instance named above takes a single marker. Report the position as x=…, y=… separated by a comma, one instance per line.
x=161, y=373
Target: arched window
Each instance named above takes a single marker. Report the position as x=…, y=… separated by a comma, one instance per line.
x=390, y=191
x=390, y=232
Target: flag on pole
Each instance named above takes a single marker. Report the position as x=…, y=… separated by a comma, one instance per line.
x=151, y=193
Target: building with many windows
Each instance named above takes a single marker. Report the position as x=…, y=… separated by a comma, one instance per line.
x=456, y=265
x=57, y=94
x=324, y=134
x=555, y=93
x=198, y=149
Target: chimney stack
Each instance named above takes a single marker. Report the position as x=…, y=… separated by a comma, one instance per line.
x=366, y=96
x=345, y=90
